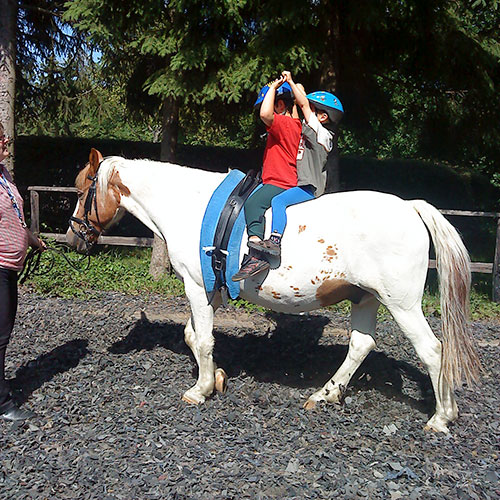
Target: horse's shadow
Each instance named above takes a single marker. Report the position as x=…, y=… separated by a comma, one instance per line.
x=289, y=355
x=35, y=373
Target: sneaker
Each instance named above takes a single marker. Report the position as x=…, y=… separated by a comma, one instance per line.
x=9, y=411
x=266, y=246
x=252, y=267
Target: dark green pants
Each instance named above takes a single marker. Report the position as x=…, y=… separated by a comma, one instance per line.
x=256, y=206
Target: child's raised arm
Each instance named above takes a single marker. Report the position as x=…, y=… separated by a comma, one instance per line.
x=299, y=94
x=267, y=107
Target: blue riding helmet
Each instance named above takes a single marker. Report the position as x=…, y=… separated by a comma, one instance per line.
x=284, y=91
x=325, y=101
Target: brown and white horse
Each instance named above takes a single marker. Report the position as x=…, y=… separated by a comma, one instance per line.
x=364, y=246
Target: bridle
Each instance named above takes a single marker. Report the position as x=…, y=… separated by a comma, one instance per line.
x=86, y=227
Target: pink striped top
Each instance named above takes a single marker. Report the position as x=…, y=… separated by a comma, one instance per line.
x=13, y=237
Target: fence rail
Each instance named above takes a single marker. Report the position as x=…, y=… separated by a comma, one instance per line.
x=476, y=267
x=132, y=241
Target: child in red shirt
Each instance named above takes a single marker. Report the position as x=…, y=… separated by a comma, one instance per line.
x=279, y=168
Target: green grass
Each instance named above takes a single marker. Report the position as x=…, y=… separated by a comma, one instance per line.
x=127, y=270
x=115, y=269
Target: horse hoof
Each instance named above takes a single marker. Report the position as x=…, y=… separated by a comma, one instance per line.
x=429, y=428
x=188, y=400
x=437, y=424
x=220, y=381
x=310, y=404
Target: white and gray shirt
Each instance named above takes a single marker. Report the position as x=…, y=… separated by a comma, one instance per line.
x=315, y=144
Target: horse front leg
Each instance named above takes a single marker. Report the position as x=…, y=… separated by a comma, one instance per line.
x=198, y=335
x=363, y=323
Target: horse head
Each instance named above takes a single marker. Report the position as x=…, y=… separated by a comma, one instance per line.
x=98, y=205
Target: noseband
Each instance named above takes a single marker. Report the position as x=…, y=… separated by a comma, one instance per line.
x=86, y=227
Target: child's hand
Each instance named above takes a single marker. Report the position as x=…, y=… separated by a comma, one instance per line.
x=277, y=83
x=287, y=76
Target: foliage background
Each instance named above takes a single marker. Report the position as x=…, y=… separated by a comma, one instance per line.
x=418, y=78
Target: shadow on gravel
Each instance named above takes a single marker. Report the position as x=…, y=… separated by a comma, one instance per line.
x=37, y=372
x=146, y=335
x=288, y=355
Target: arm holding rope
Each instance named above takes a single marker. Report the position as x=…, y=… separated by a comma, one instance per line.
x=35, y=242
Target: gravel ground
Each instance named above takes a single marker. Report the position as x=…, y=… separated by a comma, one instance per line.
x=106, y=376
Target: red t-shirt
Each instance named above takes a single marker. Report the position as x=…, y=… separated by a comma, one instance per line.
x=279, y=167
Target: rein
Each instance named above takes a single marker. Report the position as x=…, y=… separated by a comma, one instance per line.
x=33, y=259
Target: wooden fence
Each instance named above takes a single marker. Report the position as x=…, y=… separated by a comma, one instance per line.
x=34, y=191
x=477, y=267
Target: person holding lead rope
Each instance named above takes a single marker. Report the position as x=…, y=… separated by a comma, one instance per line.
x=15, y=237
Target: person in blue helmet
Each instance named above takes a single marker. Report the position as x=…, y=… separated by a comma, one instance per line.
x=279, y=167
x=322, y=113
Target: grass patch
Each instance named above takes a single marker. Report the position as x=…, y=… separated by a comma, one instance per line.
x=126, y=270
x=111, y=269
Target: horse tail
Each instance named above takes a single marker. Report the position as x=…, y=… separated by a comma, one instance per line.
x=459, y=357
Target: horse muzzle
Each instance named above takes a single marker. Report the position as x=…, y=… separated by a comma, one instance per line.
x=81, y=235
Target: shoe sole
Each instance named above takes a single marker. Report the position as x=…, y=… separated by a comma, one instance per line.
x=259, y=271
x=276, y=253
x=250, y=275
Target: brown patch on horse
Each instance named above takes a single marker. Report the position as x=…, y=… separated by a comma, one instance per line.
x=108, y=204
x=116, y=181
x=334, y=290
x=81, y=181
x=95, y=158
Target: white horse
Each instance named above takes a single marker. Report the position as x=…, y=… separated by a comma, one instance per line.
x=364, y=246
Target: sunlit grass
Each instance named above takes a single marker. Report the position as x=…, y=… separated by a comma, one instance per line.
x=127, y=270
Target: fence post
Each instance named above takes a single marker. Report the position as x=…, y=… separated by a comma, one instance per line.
x=35, y=212
x=496, y=267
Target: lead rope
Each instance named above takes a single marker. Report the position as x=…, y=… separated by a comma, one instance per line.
x=33, y=259
x=15, y=205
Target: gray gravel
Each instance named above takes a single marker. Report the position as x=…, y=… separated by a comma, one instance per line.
x=106, y=376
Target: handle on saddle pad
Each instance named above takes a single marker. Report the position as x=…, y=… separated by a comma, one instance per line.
x=248, y=181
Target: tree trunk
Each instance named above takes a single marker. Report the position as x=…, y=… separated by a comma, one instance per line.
x=330, y=28
x=8, y=22
x=333, y=172
x=160, y=262
x=170, y=129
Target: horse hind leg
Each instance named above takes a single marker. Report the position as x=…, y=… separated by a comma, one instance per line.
x=363, y=324
x=428, y=348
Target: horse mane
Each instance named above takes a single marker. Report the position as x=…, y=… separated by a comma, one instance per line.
x=104, y=173
x=106, y=169
x=109, y=163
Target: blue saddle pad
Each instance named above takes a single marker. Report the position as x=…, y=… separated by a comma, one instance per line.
x=208, y=226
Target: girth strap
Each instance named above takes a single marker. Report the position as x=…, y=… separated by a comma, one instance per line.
x=227, y=218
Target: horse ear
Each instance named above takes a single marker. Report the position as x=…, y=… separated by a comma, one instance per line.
x=95, y=158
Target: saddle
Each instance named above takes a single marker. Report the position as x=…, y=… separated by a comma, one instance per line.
x=223, y=242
